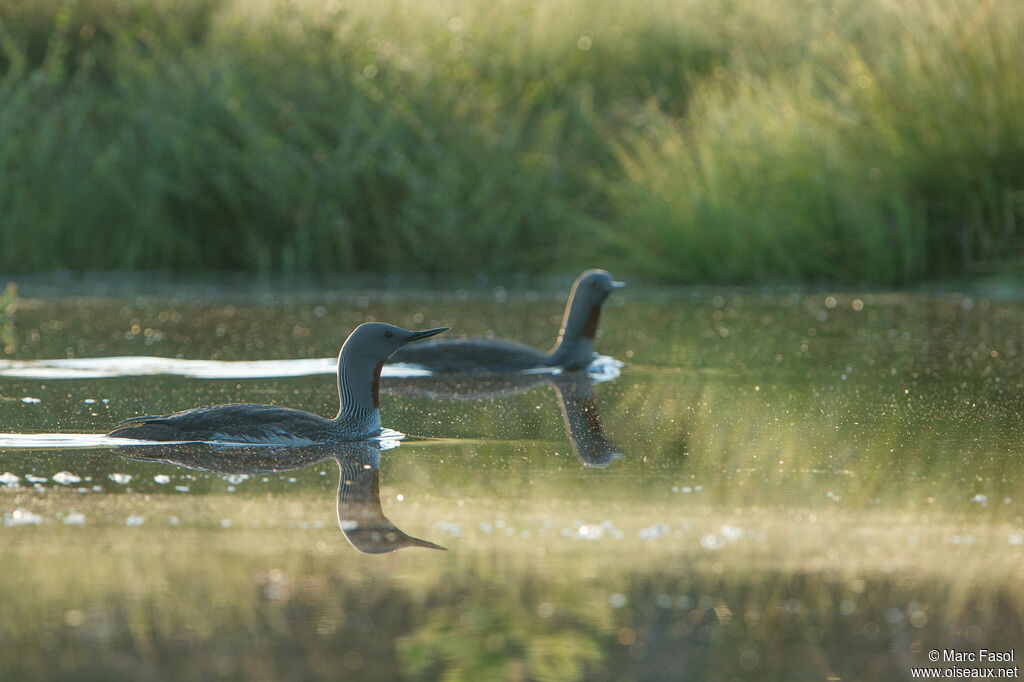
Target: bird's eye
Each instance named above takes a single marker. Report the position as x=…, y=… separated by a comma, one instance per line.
x=389, y=334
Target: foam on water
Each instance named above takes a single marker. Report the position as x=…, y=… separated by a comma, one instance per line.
x=389, y=438
x=604, y=368
x=601, y=368
x=22, y=517
x=66, y=478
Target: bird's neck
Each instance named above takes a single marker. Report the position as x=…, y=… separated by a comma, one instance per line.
x=575, y=344
x=359, y=391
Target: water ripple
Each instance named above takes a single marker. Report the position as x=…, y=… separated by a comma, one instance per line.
x=388, y=439
x=63, y=440
x=125, y=366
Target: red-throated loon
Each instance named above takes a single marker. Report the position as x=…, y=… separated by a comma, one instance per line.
x=359, y=363
x=574, y=348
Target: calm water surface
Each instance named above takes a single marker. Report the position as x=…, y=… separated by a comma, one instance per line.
x=778, y=486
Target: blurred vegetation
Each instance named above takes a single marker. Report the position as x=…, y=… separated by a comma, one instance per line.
x=262, y=604
x=850, y=140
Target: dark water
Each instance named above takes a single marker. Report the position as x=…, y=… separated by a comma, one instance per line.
x=776, y=487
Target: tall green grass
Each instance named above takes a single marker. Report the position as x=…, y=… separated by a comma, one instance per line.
x=681, y=141
x=887, y=144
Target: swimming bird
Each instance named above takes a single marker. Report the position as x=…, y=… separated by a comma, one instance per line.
x=359, y=364
x=574, y=348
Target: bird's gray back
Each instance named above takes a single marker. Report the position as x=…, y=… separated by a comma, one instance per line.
x=473, y=355
x=234, y=422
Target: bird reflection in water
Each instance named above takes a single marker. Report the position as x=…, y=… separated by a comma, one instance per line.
x=574, y=390
x=360, y=515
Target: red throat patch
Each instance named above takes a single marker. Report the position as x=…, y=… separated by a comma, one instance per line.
x=376, y=384
x=590, y=328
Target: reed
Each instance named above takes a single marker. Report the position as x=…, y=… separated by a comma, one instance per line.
x=677, y=141
x=874, y=143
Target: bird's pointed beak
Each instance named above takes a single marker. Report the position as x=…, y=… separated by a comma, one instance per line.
x=425, y=544
x=618, y=285
x=416, y=336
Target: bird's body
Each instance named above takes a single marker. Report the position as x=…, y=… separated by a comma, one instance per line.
x=476, y=355
x=359, y=365
x=239, y=423
x=574, y=348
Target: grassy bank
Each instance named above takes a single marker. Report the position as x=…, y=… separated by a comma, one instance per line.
x=680, y=141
